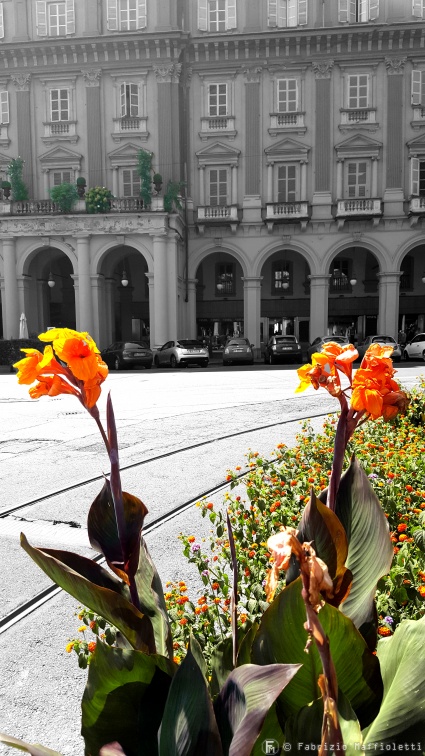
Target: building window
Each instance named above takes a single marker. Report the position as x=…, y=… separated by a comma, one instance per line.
x=357, y=179
x=283, y=13
x=224, y=279
x=287, y=96
x=216, y=15
x=62, y=177
x=357, y=11
x=407, y=278
x=55, y=19
x=340, y=276
x=4, y=107
x=418, y=87
x=218, y=182
x=418, y=8
x=287, y=180
x=417, y=177
x=129, y=94
x=358, y=91
x=126, y=15
x=217, y=100
x=130, y=183
x=281, y=277
x=59, y=105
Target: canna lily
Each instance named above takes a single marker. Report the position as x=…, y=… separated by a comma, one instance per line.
x=325, y=366
x=51, y=385
x=78, y=350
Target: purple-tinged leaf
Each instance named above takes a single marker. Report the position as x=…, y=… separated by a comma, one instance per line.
x=111, y=749
x=32, y=748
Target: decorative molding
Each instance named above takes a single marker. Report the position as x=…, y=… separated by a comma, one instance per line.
x=252, y=75
x=168, y=73
x=92, y=76
x=21, y=81
x=97, y=225
x=395, y=66
x=322, y=68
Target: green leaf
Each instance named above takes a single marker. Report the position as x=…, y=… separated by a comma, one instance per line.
x=244, y=653
x=221, y=664
x=303, y=730
x=271, y=731
x=93, y=587
x=370, y=551
x=124, y=700
x=152, y=601
x=33, y=748
x=419, y=538
x=244, y=701
x=402, y=714
x=188, y=726
x=282, y=638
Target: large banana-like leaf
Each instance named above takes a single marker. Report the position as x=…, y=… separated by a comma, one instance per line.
x=370, y=551
x=402, y=715
x=33, y=748
x=124, y=700
x=188, y=726
x=282, y=638
x=152, y=601
x=95, y=588
x=244, y=701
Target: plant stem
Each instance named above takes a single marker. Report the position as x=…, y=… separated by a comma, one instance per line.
x=340, y=444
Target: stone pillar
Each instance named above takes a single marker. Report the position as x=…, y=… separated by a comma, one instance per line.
x=252, y=198
x=303, y=181
x=270, y=182
x=109, y=309
x=115, y=188
x=389, y=289
x=202, y=185
x=234, y=184
x=167, y=76
x=85, y=321
x=252, y=311
x=46, y=187
x=160, y=298
x=319, y=293
x=23, y=126
x=94, y=127
x=375, y=177
x=10, y=294
x=21, y=21
x=172, y=286
x=393, y=195
x=151, y=285
x=339, y=170
x=99, y=322
x=322, y=197
x=191, y=328
x=91, y=19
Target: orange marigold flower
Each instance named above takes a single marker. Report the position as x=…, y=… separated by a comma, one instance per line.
x=243, y=618
x=421, y=590
x=191, y=539
x=409, y=488
x=204, y=608
x=198, y=609
x=391, y=475
x=91, y=646
x=403, y=537
x=202, y=600
x=216, y=600
x=215, y=586
x=183, y=621
x=210, y=505
x=402, y=527
x=384, y=631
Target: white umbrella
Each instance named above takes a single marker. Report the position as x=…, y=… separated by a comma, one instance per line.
x=23, y=327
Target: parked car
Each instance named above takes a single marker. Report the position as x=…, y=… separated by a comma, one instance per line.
x=124, y=354
x=415, y=348
x=316, y=345
x=238, y=349
x=383, y=341
x=182, y=353
x=282, y=349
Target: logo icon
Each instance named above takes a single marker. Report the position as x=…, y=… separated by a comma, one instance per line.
x=270, y=747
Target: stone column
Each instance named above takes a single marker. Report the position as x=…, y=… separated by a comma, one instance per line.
x=270, y=182
x=303, y=181
x=94, y=127
x=191, y=329
x=23, y=126
x=151, y=285
x=389, y=289
x=167, y=76
x=339, y=170
x=21, y=21
x=91, y=19
x=252, y=311
x=319, y=293
x=85, y=321
x=99, y=321
x=10, y=294
x=374, y=177
x=322, y=197
x=393, y=195
x=234, y=184
x=174, y=317
x=46, y=187
x=109, y=309
x=160, y=298
x=115, y=188
x=202, y=185
x=252, y=193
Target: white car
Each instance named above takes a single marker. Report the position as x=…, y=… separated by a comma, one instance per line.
x=415, y=349
x=182, y=353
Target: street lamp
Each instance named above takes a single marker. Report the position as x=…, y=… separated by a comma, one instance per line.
x=353, y=281
x=124, y=279
x=51, y=281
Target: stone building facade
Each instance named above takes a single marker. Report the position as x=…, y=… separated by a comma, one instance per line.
x=297, y=127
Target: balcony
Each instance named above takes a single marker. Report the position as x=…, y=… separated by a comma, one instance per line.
x=217, y=215
x=130, y=127
x=355, y=118
x=286, y=212
x=62, y=131
x=418, y=117
x=417, y=206
x=281, y=123
x=358, y=209
x=214, y=126
x=47, y=207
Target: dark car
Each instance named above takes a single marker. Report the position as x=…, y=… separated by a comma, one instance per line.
x=316, y=345
x=182, y=353
x=282, y=349
x=125, y=354
x=382, y=341
x=238, y=349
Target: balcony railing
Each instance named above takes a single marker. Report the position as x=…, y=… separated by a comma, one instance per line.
x=357, y=116
x=418, y=115
x=217, y=215
x=60, y=129
x=280, y=212
x=47, y=207
x=358, y=207
x=417, y=205
x=281, y=122
x=137, y=125
x=214, y=125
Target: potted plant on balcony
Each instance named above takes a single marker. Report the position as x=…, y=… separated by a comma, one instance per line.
x=81, y=186
x=144, y=169
x=6, y=188
x=157, y=182
x=18, y=187
x=98, y=199
x=172, y=197
x=64, y=196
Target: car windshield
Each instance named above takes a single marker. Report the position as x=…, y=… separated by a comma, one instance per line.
x=237, y=342
x=384, y=340
x=189, y=343
x=285, y=339
x=337, y=339
x=135, y=345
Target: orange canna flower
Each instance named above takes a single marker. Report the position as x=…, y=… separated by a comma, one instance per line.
x=342, y=357
x=51, y=385
x=77, y=350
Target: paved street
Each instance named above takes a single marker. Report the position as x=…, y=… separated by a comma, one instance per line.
x=48, y=444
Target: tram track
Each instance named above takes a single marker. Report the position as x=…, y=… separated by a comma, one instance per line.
x=18, y=613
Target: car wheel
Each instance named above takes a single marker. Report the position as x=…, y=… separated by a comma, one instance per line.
x=173, y=361
x=271, y=359
x=225, y=363
x=148, y=367
x=117, y=363
x=204, y=363
x=406, y=356
x=423, y=355
x=156, y=361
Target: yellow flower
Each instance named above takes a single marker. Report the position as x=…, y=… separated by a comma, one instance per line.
x=69, y=647
x=82, y=629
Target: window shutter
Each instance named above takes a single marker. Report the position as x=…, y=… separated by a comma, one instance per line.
x=231, y=14
x=417, y=8
x=112, y=15
x=352, y=17
x=41, y=18
x=347, y=11
x=414, y=177
x=302, y=12
x=4, y=107
x=373, y=10
x=134, y=100
x=272, y=13
x=70, y=17
x=141, y=14
x=1, y=22
x=202, y=15
x=122, y=100
x=126, y=181
x=417, y=87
